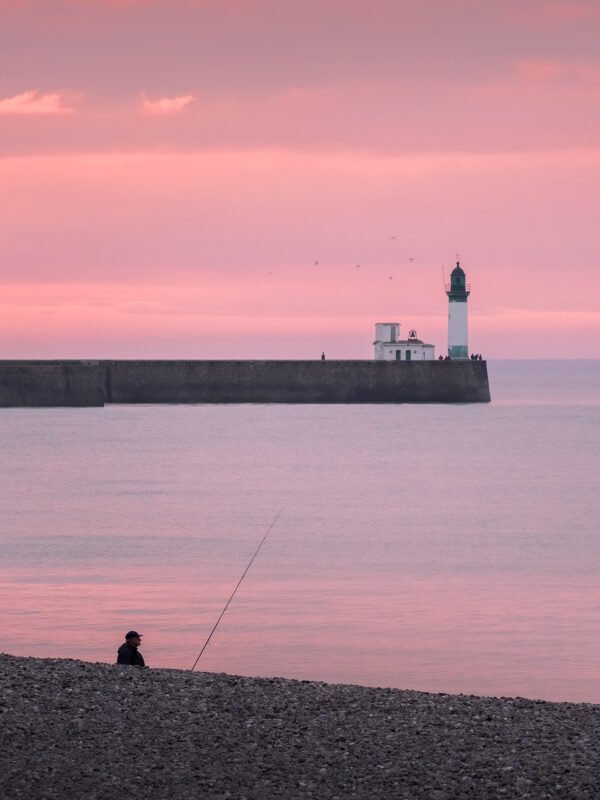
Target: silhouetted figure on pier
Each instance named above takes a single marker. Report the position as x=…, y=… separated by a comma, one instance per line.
x=322, y=356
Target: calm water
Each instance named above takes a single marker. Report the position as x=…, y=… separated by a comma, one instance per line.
x=441, y=548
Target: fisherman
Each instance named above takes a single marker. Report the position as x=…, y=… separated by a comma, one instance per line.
x=128, y=653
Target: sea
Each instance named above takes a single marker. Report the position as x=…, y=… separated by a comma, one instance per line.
x=439, y=548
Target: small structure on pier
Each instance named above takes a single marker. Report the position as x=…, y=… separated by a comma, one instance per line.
x=390, y=347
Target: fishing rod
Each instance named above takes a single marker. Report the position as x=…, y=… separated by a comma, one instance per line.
x=262, y=541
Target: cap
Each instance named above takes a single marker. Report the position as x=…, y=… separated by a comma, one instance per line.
x=133, y=635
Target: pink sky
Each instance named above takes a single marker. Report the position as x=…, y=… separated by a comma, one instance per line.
x=171, y=170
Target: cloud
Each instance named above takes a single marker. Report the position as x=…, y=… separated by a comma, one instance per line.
x=538, y=69
x=555, y=72
x=166, y=105
x=558, y=13
x=33, y=102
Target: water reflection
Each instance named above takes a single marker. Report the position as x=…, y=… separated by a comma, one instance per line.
x=437, y=548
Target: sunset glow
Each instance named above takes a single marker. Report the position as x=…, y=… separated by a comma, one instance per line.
x=203, y=179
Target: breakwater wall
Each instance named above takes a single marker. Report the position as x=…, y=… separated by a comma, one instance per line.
x=51, y=383
x=92, y=383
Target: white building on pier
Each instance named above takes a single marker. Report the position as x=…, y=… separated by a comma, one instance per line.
x=390, y=347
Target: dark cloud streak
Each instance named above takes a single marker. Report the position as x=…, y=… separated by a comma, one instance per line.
x=268, y=47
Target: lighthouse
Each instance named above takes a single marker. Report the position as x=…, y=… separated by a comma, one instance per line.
x=458, y=334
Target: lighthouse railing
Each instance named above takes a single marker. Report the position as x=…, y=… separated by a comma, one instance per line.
x=448, y=287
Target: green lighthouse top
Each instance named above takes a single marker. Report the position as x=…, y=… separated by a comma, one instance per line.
x=458, y=289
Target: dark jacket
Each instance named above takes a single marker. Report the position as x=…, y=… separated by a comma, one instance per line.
x=128, y=654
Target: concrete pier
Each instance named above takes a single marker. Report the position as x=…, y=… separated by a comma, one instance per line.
x=51, y=383
x=92, y=383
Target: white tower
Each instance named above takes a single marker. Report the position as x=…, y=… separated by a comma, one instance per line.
x=458, y=328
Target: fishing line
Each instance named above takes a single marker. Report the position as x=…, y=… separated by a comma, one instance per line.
x=262, y=541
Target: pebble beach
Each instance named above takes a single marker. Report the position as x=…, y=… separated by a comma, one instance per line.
x=73, y=729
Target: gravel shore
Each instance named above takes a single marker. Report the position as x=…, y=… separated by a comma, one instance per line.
x=71, y=729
